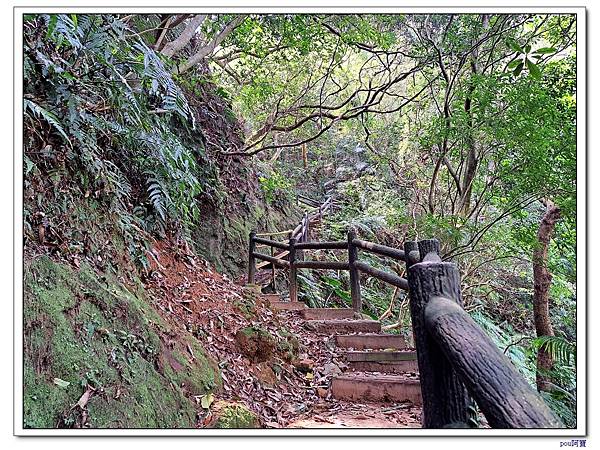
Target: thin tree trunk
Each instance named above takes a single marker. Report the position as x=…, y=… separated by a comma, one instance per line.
x=541, y=287
x=185, y=37
x=212, y=45
x=472, y=162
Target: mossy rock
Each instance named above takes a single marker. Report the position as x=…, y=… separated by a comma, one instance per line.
x=233, y=415
x=288, y=345
x=256, y=343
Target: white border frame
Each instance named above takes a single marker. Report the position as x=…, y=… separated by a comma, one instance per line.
x=582, y=401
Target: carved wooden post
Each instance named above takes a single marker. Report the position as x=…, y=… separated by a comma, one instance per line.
x=272, y=267
x=306, y=226
x=251, y=259
x=505, y=397
x=411, y=250
x=412, y=256
x=354, y=274
x=429, y=246
x=445, y=399
x=293, y=272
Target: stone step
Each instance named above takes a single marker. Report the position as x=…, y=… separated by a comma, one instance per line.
x=328, y=313
x=271, y=297
x=288, y=306
x=374, y=341
x=362, y=386
x=384, y=366
x=364, y=356
x=344, y=326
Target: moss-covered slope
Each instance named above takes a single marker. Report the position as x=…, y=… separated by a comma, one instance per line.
x=86, y=332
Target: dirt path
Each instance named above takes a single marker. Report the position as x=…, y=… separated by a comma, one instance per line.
x=360, y=415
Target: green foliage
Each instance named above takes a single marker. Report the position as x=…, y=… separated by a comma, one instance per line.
x=336, y=286
x=275, y=186
x=495, y=94
x=126, y=122
x=561, y=350
x=30, y=107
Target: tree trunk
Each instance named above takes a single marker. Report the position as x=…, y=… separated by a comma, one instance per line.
x=185, y=37
x=472, y=162
x=208, y=49
x=541, y=287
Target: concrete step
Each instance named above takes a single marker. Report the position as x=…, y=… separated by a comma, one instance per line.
x=374, y=341
x=364, y=356
x=328, y=313
x=362, y=386
x=271, y=297
x=384, y=366
x=344, y=326
x=288, y=306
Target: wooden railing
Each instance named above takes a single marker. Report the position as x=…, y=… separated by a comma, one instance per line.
x=458, y=362
x=457, y=359
x=293, y=251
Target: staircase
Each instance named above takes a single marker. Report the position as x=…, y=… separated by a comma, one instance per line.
x=380, y=368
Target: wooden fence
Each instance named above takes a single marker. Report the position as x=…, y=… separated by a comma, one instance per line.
x=293, y=252
x=458, y=362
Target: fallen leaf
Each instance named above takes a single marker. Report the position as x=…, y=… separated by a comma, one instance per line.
x=83, y=400
x=61, y=383
x=207, y=400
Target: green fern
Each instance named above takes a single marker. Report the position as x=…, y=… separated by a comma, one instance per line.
x=158, y=197
x=558, y=347
x=37, y=111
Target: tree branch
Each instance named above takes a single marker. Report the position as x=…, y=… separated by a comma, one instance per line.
x=212, y=45
x=185, y=37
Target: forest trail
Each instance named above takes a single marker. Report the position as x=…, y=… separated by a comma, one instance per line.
x=164, y=153
x=291, y=383
x=372, y=377
x=378, y=386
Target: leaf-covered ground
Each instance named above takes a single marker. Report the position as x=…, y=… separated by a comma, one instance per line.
x=286, y=384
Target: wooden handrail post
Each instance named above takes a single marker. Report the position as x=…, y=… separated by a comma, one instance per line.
x=411, y=253
x=306, y=227
x=354, y=274
x=293, y=272
x=445, y=399
x=272, y=267
x=428, y=246
x=251, y=259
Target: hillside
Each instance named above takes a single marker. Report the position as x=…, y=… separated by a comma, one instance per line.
x=299, y=221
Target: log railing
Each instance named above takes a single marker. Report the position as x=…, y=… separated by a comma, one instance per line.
x=458, y=363
x=298, y=243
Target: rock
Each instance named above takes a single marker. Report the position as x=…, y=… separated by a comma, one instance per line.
x=304, y=365
x=265, y=374
x=331, y=369
x=232, y=415
x=256, y=343
x=288, y=345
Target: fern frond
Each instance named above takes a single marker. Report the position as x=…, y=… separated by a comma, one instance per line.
x=48, y=116
x=558, y=347
x=158, y=196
